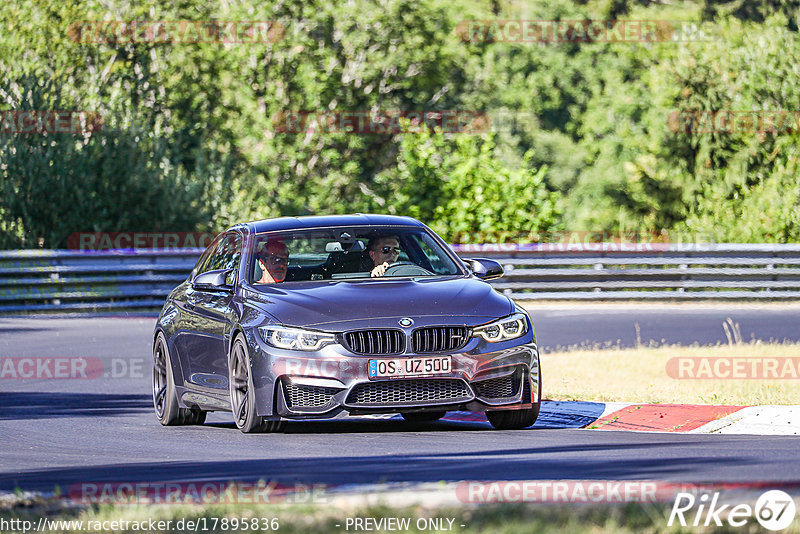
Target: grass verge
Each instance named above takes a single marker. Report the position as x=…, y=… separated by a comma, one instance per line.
x=640, y=375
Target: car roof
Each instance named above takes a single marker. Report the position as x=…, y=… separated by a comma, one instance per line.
x=317, y=221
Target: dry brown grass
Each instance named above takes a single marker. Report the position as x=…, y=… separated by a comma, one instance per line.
x=640, y=375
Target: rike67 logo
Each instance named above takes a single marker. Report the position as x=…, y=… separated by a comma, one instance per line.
x=774, y=510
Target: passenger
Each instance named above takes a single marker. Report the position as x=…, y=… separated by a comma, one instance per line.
x=273, y=258
x=383, y=250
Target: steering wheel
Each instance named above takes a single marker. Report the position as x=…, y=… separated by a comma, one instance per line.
x=405, y=268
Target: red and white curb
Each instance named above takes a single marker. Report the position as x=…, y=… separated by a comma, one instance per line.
x=673, y=418
x=700, y=419
x=663, y=417
x=763, y=420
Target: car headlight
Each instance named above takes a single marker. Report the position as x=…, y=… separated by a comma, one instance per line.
x=295, y=338
x=510, y=327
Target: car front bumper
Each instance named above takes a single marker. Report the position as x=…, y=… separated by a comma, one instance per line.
x=298, y=385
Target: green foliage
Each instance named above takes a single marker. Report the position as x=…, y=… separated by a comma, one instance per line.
x=148, y=168
x=122, y=176
x=355, y=56
x=461, y=185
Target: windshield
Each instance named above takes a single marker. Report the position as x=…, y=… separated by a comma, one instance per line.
x=349, y=253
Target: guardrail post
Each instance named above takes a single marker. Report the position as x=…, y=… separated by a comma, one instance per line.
x=684, y=277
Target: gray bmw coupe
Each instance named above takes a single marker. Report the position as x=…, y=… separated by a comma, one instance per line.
x=302, y=318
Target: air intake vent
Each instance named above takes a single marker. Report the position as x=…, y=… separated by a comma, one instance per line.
x=375, y=341
x=305, y=396
x=439, y=339
x=498, y=388
x=409, y=393
x=526, y=387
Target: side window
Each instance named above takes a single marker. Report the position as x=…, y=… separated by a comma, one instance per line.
x=227, y=255
x=205, y=258
x=440, y=265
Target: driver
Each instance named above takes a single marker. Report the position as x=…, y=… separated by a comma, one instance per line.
x=273, y=258
x=383, y=250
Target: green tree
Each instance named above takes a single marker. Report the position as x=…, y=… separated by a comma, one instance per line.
x=461, y=186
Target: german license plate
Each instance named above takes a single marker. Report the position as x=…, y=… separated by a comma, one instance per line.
x=402, y=367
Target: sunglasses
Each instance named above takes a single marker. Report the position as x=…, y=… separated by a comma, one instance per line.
x=274, y=260
x=392, y=250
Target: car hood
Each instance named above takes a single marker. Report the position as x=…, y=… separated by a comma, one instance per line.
x=366, y=303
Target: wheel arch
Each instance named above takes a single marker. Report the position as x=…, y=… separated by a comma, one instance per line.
x=264, y=383
x=236, y=330
x=174, y=357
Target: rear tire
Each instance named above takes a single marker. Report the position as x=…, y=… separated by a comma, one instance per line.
x=422, y=417
x=242, y=392
x=165, y=400
x=517, y=419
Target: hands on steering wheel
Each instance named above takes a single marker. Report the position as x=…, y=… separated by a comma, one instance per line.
x=398, y=268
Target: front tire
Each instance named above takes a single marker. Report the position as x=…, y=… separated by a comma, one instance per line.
x=517, y=419
x=242, y=391
x=165, y=400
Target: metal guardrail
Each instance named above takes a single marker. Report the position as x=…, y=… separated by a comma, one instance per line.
x=646, y=271
x=71, y=280
x=68, y=280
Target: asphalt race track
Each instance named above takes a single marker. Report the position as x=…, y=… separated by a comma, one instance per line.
x=64, y=432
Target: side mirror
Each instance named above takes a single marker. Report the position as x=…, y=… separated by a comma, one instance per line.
x=213, y=280
x=484, y=269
